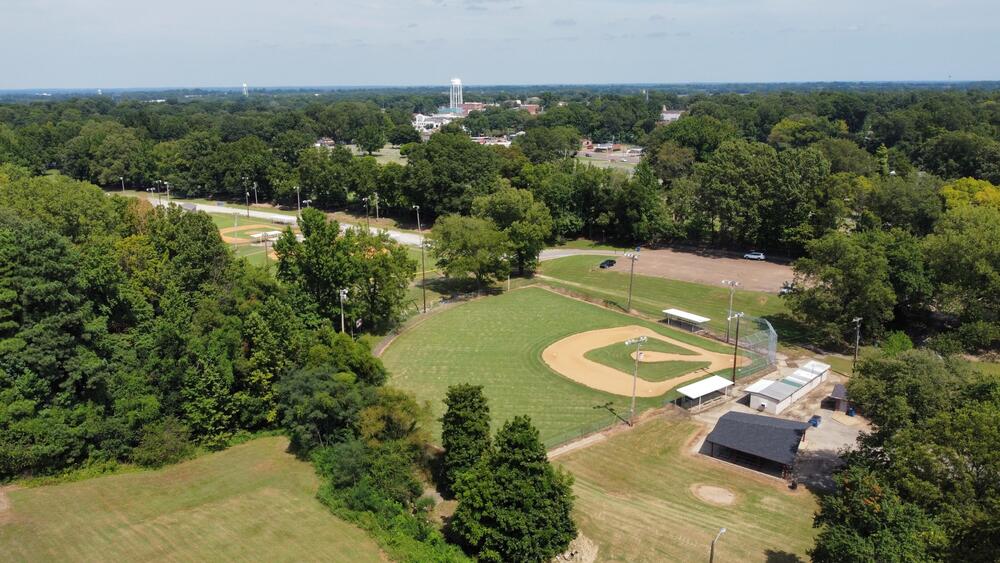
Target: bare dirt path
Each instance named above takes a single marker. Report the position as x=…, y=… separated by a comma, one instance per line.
x=566, y=357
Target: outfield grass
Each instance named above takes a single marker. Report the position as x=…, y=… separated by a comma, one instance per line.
x=650, y=295
x=634, y=501
x=497, y=342
x=251, y=502
x=619, y=357
x=587, y=244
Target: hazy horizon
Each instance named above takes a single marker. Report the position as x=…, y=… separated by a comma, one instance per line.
x=64, y=44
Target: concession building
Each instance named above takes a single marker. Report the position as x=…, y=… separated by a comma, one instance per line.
x=762, y=443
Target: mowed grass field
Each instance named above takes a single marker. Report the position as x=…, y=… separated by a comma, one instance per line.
x=634, y=500
x=651, y=295
x=497, y=342
x=620, y=357
x=250, y=502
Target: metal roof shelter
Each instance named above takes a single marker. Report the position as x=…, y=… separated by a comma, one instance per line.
x=690, y=319
x=701, y=388
x=758, y=386
x=772, y=439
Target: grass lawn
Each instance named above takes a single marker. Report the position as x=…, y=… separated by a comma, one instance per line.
x=616, y=164
x=250, y=502
x=651, y=295
x=587, y=244
x=634, y=500
x=386, y=155
x=497, y=342
x=619, y=357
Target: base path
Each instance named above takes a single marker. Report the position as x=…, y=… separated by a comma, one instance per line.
x=235, y=240
x=566, y=357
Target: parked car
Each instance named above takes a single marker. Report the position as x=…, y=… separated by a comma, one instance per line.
x=608, y=264
x=755, y=255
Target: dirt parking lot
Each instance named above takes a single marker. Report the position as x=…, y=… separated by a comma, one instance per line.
x=709, y=268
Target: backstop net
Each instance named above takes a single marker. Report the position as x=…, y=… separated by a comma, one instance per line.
x=759, y=339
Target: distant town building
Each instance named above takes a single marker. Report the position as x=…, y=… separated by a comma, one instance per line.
x=670, y=115
x=533, y=109
x=325, y=143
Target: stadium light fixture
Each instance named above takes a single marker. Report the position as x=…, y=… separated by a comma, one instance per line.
x=711, y=556
x=733, y=284
x=638, y=341
x=631, y=274
x=423, y=266
x=736, y=341
x=857, y=340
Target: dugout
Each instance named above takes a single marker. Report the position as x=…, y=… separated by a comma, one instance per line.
x=703, y=393
x=686, y=320
x=762, y=443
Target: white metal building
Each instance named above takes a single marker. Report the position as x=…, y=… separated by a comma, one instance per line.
x=699, y=392
x=775, y=396
x=687, y=320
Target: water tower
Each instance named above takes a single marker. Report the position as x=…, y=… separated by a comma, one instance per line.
x=455, y=97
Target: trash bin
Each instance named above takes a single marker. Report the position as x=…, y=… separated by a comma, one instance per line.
x=850, y=411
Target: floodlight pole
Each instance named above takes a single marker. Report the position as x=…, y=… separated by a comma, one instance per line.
x=342, y=293
x=255, y=202
x=857, y=340
x=736, y=342
x=711, y=555
x=423, y=265
x=376, y=206
x=248, y=203
x=733, y=284
x=298, y=201
x=122, y=178
x=635, y=373
x=631, y=274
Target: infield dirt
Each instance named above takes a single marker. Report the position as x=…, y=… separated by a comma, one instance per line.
x=566, y=357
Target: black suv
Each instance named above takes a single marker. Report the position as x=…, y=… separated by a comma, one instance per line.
x=608, y=264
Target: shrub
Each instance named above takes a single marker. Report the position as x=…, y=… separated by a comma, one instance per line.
x=895, y=343
x=162, y=443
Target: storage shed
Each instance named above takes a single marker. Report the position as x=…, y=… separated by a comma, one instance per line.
x=762, y=443
x=775, y=396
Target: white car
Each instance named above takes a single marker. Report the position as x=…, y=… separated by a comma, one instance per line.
x=754, y=256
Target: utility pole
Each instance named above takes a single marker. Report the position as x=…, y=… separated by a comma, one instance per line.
x=368, y=223
x=248, y=204
x=298, y=201
x=376, y=206
x=711, y=555
x=631, y=274
x=635, y=372
x=167, y=184
x=122, y=178
x=255, y=202
x=857, y=341
x=343, y=295
x=733, y=284
x=423, y=265
x=736, y=342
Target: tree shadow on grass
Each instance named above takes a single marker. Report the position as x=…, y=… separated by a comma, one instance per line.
x=773, y=556
x=454, y=287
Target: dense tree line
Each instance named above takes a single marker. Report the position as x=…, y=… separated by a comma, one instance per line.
x=924, y=485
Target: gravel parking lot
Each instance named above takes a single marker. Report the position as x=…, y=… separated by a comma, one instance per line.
x=709, y=268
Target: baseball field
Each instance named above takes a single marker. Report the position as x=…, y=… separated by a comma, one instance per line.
x=516, y=346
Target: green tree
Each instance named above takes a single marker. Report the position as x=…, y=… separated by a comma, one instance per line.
x=513, y=505
x=641, y=213
x=526, y=222
x=672, y=161
x=371, y=138
x=402, y=134
x=867, y=521
x=470, y=246
x=963, y=256
x=543, y=144
x=447, y=172
x=840, y=279
x=382, y=272
x=969, y=191
x=465, y=430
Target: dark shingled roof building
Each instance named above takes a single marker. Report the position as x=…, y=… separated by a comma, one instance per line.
x=763, y=443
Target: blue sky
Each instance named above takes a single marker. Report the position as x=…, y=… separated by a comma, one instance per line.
x=141, y=43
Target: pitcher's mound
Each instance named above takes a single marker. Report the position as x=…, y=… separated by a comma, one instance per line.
x=720, y=496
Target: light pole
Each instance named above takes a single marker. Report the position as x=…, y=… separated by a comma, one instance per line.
x=368, y=222
x=376, y=205
x=248, y=204
x=857, y=340
x=423, y=265
x=631, y=274
x=122, y=178
x=733, y=284
x=167, y=184
x=736, y=341
x=255, y=202
x=298, y=201
x=711, y=555
x=635, y=372
x=343, y=295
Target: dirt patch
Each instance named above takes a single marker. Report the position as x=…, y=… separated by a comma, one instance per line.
x=719, y=496
x=566, y=357
x=581, y=550
x=236, y=240
x=709, y=268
